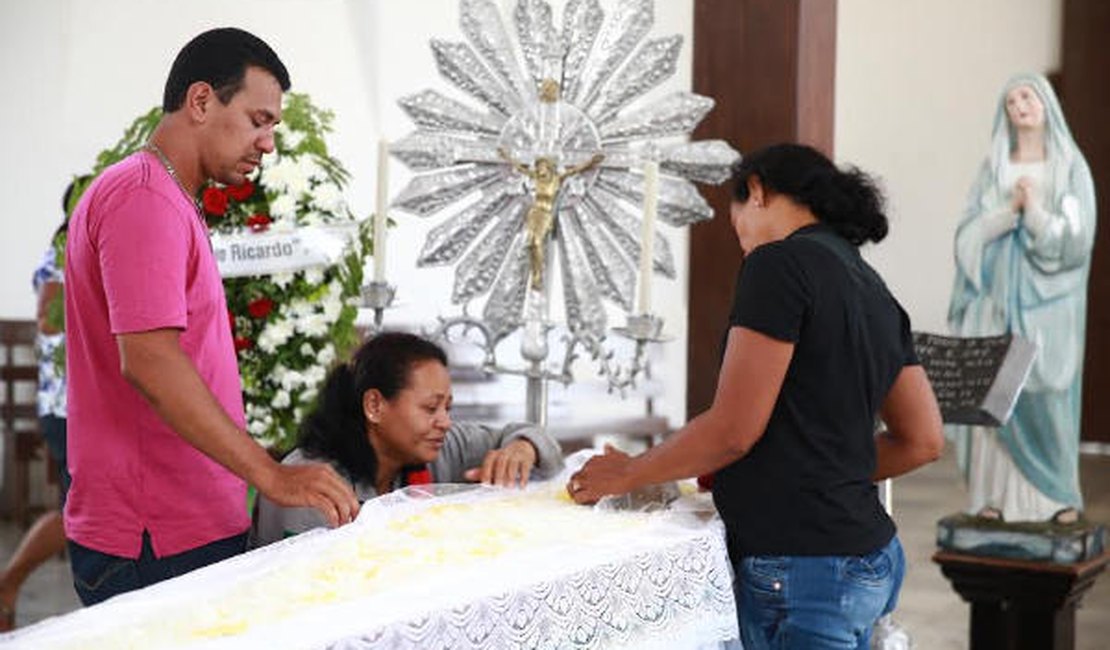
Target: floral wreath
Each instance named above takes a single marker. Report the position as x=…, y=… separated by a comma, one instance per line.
x=288, y=327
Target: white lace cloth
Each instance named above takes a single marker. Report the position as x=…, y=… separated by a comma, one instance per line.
x=586, y=579
x=675, y=598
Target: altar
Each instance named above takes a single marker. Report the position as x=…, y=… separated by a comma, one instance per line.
x=442, y=567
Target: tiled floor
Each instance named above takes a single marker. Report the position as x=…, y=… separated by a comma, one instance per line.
x=933, y=614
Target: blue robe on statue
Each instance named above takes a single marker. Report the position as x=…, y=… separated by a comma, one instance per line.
x=1031, y=281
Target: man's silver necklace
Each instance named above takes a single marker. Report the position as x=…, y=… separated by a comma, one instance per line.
x=153, y=148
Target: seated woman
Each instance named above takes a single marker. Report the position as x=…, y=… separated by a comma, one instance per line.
x=383, y=422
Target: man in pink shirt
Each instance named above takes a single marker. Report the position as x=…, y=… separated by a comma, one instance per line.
x=157, y=446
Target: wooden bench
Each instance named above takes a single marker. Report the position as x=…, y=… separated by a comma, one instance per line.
x=19, y=375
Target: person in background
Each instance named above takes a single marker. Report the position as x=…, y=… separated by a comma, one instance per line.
x=383, y=422
x=1023, y=254
x=817, y=349
x=46, y=537
x=157, y=447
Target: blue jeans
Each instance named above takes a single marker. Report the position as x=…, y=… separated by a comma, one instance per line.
x=816, y=602
x=99, y=576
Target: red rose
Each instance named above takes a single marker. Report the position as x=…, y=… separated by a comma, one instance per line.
x=259, y=222
x=215, y=201
x=241, y=192
x=260, y=307
x=243, y=343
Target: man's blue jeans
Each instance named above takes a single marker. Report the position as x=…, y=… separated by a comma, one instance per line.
x=818, y=602
x=98, y=576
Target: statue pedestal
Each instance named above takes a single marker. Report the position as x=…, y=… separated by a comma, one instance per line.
x=1038, y=541
x=1020, y=604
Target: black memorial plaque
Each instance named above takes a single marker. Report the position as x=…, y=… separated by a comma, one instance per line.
x=976, y=379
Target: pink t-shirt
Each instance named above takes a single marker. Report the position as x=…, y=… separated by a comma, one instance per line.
x=138, y=259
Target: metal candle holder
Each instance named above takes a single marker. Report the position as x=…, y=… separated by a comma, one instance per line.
x=378, y=296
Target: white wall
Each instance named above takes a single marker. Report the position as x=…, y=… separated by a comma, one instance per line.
x=916, y=90
x=76, y=72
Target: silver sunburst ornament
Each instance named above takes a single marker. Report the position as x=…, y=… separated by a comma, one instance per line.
x=553, y=159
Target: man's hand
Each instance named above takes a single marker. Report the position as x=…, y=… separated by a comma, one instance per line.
x=314, y=485
x=600, y=476
x=507, y=466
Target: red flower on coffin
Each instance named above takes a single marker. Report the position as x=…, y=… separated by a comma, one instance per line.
x=215, y=201
x=243, y=343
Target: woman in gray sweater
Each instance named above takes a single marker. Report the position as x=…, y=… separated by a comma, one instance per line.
x=383, y=421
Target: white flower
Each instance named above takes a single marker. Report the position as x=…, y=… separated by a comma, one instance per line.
x=315, y=325
x=301, y=308
x=310, y=169
x=283, y=207
x=287, y=176
x=282, y=279
x=315, y=375
x=256, y=427
x=335, y=289
x=275, y=335
x=281, y=400
x=328, y=198
x=269, y=440
x=290, y=139
x=332, y=308
x=327, y=355
x=306, y=349
x=292, y=380
x=314, y=275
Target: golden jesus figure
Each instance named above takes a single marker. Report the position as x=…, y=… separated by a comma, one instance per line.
x=541, y=215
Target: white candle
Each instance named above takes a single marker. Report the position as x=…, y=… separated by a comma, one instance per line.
x=380, y=211
x=647, y=234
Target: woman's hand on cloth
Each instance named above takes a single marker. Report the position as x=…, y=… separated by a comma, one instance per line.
x=507, y=466
x=601, y=476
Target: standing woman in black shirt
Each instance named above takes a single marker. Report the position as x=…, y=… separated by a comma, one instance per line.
x=817, y=349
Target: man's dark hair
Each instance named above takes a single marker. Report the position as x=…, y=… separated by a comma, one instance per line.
x=220, y=57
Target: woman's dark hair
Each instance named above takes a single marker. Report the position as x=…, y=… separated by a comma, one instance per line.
x=336, y=428
x=848, y=201
x=220, y=57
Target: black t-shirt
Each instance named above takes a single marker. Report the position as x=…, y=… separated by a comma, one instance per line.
x=805, y=487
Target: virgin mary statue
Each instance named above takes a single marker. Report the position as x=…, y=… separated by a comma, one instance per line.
x=1023, y=252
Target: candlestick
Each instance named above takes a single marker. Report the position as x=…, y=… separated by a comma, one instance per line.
x=380, y=211
x=647, y=234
